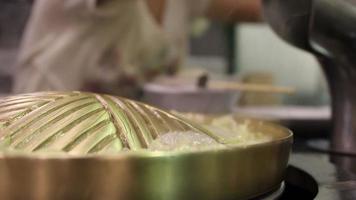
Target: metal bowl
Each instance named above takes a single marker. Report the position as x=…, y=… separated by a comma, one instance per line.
x=235, y=172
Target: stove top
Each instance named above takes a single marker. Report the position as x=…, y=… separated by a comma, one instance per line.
x=313, y=176
x=298, y=185
x=331, y=176
x=317, y=174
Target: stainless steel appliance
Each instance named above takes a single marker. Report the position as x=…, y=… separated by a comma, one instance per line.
x=327, y=29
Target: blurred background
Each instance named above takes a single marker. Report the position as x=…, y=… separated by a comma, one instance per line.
x=13, y=18
x=240, y=52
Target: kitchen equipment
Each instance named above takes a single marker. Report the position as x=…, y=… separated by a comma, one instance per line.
x=249, y=87
x=202, y=94
x=237, y=172
x=327, y=29
x=190, y=98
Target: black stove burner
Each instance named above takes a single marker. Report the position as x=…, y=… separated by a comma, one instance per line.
x=297, y=185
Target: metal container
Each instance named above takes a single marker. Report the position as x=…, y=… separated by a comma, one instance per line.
x=191, y=98
x=236, y=172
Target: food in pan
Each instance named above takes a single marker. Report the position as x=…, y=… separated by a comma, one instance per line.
x=184, y=141
x=87, y=123
x=225, y=131
x=229, y=130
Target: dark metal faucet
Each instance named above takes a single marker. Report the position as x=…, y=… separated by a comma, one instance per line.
x=326, y=28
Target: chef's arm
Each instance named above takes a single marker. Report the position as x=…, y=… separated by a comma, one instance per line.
x=157, y=8
x=232, y=11
x=229, y=11
x=99, y=8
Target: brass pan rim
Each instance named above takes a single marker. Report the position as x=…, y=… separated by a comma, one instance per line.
x=147, y=154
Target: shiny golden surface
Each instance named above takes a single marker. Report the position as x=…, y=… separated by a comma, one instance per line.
x=236, y=172
x=81, y=123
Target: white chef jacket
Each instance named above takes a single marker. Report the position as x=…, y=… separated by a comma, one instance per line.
x=68, y=42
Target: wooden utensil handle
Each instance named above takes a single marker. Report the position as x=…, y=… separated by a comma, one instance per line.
x=251, y=87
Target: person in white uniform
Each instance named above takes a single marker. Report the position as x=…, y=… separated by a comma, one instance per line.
x=77, y=44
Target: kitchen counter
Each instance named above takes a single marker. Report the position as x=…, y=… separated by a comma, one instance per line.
x=334, y=181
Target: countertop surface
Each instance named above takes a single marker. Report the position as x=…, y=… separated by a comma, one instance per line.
x=336, y=182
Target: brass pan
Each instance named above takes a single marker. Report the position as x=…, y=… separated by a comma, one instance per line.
x=237, y=172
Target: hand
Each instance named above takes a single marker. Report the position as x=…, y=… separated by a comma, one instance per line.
x=157, y=8
x=232, y=11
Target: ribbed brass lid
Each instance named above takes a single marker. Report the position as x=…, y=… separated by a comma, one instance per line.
x=82, y=123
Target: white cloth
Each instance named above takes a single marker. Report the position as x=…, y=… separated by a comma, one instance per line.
x=68, y=41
